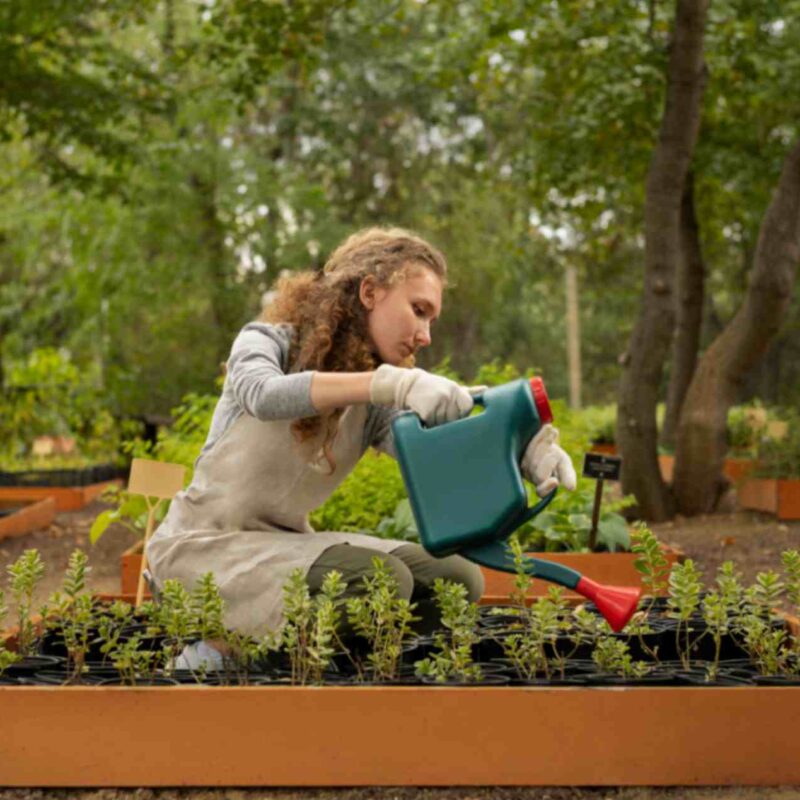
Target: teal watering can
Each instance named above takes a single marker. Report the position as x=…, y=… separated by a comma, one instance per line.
x=467, y=494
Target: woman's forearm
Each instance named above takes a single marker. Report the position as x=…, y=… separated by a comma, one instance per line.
x=331, y=390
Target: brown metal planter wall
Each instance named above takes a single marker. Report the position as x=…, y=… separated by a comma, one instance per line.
x=387, y=736
x=71, y=498
x=33, y=516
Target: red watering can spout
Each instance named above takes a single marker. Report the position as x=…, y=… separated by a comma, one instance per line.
x=616, y=603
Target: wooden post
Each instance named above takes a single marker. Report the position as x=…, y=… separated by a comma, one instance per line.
x=153, y=479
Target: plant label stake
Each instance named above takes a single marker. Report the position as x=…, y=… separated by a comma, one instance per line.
x=467, y=494
x=600, y=467
x=153, y=479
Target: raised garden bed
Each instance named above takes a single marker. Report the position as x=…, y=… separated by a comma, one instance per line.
x=392, y=736
x=717, y=704
x=779, y=496
x=734, y=469
x=71, y=498
x=20, y=516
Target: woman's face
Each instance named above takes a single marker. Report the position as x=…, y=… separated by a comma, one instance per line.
x=400, y=318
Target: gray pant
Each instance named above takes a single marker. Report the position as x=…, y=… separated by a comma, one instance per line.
x=414, y=568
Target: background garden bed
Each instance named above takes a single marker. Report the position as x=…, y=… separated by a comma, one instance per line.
x=19, y=516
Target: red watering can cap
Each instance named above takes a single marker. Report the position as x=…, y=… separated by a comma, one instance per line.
x=541, y=401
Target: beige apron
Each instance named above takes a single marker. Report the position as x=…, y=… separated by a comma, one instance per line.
x=245, y=516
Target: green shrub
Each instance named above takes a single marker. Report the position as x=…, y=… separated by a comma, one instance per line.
x=369, y=494
x=47, y=394
x=780, y=458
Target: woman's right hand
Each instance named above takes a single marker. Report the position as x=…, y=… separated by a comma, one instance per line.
x=434, y=398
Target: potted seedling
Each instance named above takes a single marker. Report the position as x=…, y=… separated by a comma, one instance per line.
x=383, y=619
x=453, y=661
x=613, y=659
x=7, y=657
x=25, y=573
x=531, y=644
x=309, y=634
x=71, y=612
x=683, y=604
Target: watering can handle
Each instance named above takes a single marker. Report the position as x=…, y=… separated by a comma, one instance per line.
x=540, y=506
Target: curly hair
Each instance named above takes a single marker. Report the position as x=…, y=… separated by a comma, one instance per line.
x=330, y=322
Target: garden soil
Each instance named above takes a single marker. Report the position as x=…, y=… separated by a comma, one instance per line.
x=751, y=540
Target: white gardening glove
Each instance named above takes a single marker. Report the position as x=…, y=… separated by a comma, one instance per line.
x=434, y=398
x=545, y=464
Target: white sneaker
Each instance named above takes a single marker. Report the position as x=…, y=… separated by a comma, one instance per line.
x=198, y=655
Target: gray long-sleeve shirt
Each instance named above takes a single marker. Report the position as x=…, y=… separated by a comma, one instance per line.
x=258, y=383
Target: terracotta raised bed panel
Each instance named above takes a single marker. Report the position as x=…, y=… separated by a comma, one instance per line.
x=69, y=498
x=391, y=736
x=759, y=494
x=31, y=516
x=788, y=499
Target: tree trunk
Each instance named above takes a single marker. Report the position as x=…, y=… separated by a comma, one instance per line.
x=643, y=363
x=226, y=297
x=701, y=433
x=686, y=343
x=573, y=336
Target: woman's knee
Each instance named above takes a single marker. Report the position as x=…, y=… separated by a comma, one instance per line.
x=355, y=563
x=425, y=568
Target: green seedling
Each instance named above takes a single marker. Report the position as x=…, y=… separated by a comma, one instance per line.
x=310, y=630
x=7, y=658
x=25, y=573
x=613, y=656
x=383, y=618
x=453, y=661
x=72, y=612
x=684, y=600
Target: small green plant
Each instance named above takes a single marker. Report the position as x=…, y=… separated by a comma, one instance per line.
x=174, y=618
x=133, y=663
x=310, y=630
x=650, y=563
x=110, y=626
x=7, y=658
x=684, y=600
x=613, y=655
x=25, y=573
x=532, y=649
x=383, y=618
x=453, y=661
x=72, y=613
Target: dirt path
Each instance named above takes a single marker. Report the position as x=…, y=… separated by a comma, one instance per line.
x=753, y=541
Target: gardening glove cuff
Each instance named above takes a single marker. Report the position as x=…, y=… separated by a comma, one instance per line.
x=434, y=398
x=546, y=465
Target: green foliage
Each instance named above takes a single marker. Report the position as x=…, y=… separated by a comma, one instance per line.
x=25, y=573
x=310, y=630
x=780, y=457
x=47, y=394
x=453, y=659
x=685, y=586
x=613, y=655
x=650, y=561
x=566, y=523
x=368, y=495
x=383, y=619
x=791, y=566
x=71, y=612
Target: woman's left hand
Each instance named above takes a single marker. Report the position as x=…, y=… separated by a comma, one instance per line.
x=546, y=465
